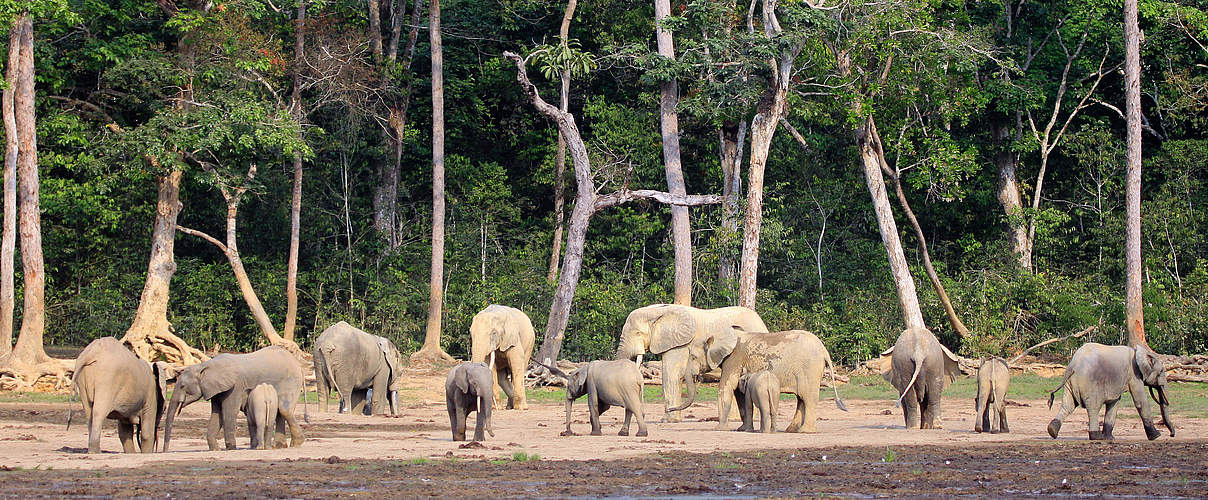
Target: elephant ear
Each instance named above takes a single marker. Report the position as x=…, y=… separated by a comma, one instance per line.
x=388, y=349
x=578, y=379
x=721, y=345
x=462, y=379
x=214, y=381
x=670, y=330
x=1149, y=365
x=886, y=364
x=952, y=365
x=160, y=370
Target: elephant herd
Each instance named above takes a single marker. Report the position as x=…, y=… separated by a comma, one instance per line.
x=756, y=366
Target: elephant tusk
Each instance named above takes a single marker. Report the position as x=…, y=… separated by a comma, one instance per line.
x=639, y=360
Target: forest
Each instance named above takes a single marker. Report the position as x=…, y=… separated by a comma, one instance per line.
x=290, y=165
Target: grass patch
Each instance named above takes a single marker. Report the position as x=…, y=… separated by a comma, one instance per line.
x=521, y=456
x=33, y=397
x=419, y=461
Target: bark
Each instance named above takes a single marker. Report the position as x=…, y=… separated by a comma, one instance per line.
x=871, y=162
x=295, y=205
x=375, y=28
x=732, y=138
x=150, y=335
x=9, y=239
x=431, y=349
x=1007, y=162
x=560, y=160
x=385, y=195
x=669, y=121
x=1133, y=306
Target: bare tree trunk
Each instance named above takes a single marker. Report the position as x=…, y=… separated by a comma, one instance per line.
x=771, y=107
x=8, y=244
x=375, y=28
x=1008, y=196
x=1133, y=305
x=150, y=334
x=385, y=195
x=295, y=205
x=680, y=230
x=568, y=281
x=732, y=138
x=560, y=160
x=431, y=349
x=908, y=298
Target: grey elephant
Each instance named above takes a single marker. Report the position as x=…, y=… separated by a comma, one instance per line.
x=606, y=384
x=691, y=341
x=225, y=381
x=504, y=336
x=759, y=390
x=921, y=369
x=114, y=384
x=796, y=357
x=468, y=388
x=261, y=412
x=1097, y=376
x=993, y=377
x=352, y=361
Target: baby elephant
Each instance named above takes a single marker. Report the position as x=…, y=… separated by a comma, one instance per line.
x=992, y=379
x=1098, y=375
x=606, y=384
x=758, y=390
x=261, y=411
x=470, y=388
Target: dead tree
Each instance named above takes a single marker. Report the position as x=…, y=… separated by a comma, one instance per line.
x=681, y=232
x=1133, y=305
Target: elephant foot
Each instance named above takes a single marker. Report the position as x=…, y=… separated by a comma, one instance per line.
x=1099, y=436
x=642, y=433
x=1152, y=433
x=567, y=432
x=745, y=428
x=992, y=431
x=522, y=406
x=623, y=432
x=1054, y=428
x=672, y=419
x=596, y=432
x=720, y=427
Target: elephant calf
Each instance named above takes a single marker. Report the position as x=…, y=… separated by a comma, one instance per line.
x=759, y=390
x=113, y=383
x=606, y=384
x=993, y=377
x=468, y=388
x=261, y=411
x=1097, y=376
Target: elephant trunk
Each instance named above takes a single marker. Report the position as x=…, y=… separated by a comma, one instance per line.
x=690, y=385
x=394, y=403
x=1164, y=404
x=173, y=408
x=484, y=409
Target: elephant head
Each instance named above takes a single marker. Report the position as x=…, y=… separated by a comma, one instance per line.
x=479, y=383
x=1152, y=373
x=196, y=382
x=394, y=362
x=490, y=332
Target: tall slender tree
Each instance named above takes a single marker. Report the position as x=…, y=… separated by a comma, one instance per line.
x=560, y=160
x=8, y=243
x=669, y=122
x=1133, y=302
x=295, y=205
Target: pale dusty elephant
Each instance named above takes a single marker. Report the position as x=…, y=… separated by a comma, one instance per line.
x=798, y=360
x=1098, y=375
x=692, y=341
x=261, y=412
x=759, y=390
x=468, y=389
x=114, y=384
x=606, y=384
x=504, y=336
x=352, y=361
x=225, y=381
x=922, y=368
x=993, y=377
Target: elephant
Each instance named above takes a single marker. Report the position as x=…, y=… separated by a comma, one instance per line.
x=606, y=384
x=261, y=411
x=921, y=369
x=114, y=384
x=225, y=381
x=503, y=337
x=691, y=341
x=468, y=388
x=993, y=377
x=1097, y=376
x=352, y=361
x=759, y=390
x=796, y=357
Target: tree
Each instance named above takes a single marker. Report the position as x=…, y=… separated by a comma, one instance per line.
x=669, y=122
x=1134, y=302
x=295, y=205
x=560, y=160
x=431, y=349
x=587, y=203
x=8, y=244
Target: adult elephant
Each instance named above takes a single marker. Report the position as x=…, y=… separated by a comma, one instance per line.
x=921, y=369
x=114, y=384
x=351, y=361
x=692, y=341
x=225, y=381
x=504, y=336
x=1098, y=375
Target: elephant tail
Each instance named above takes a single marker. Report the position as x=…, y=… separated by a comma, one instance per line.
x=554, y=370
x=1053, y=393
x=330, y=378
x=918, y=367
x=831, y=366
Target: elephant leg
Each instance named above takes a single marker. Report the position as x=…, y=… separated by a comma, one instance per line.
x=125, y=433
x=358, y=399
x=214, y=423
x=518, y=363
x=451, y=408
x=146, y=433
x=767, y=417
x=809, y=421
x=1109, y=420
x=1067, y=407
x=633, y=408
x=495, y=385
x=745, y=410
x=459, y=423
x=932, y=411
x=675, y=363
x=1093, y=427
x=798, y=422
x=594, y=410
x=625, y=425
x=95, y=421
x=379, y=406
x=503, y=375
x=230, y=418
x=480, y=424
x=910, y=409
x=981, y=419
x=725, y=395
x=1002, y=417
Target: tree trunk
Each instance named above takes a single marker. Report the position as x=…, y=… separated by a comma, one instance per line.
x=907, y=296
x=295, y=205
x=431, y=349
x=680, y=230
x=1007, y=162
x=375, y=28
x=8, y=243
x=150, y=334
x=560, y=160
x=771, y=107
x=385, y=195
x=568, y=281
x=731, y=137
x=1133, y=305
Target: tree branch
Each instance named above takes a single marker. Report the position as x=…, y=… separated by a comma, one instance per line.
x=625, y=196
x=203, y=236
